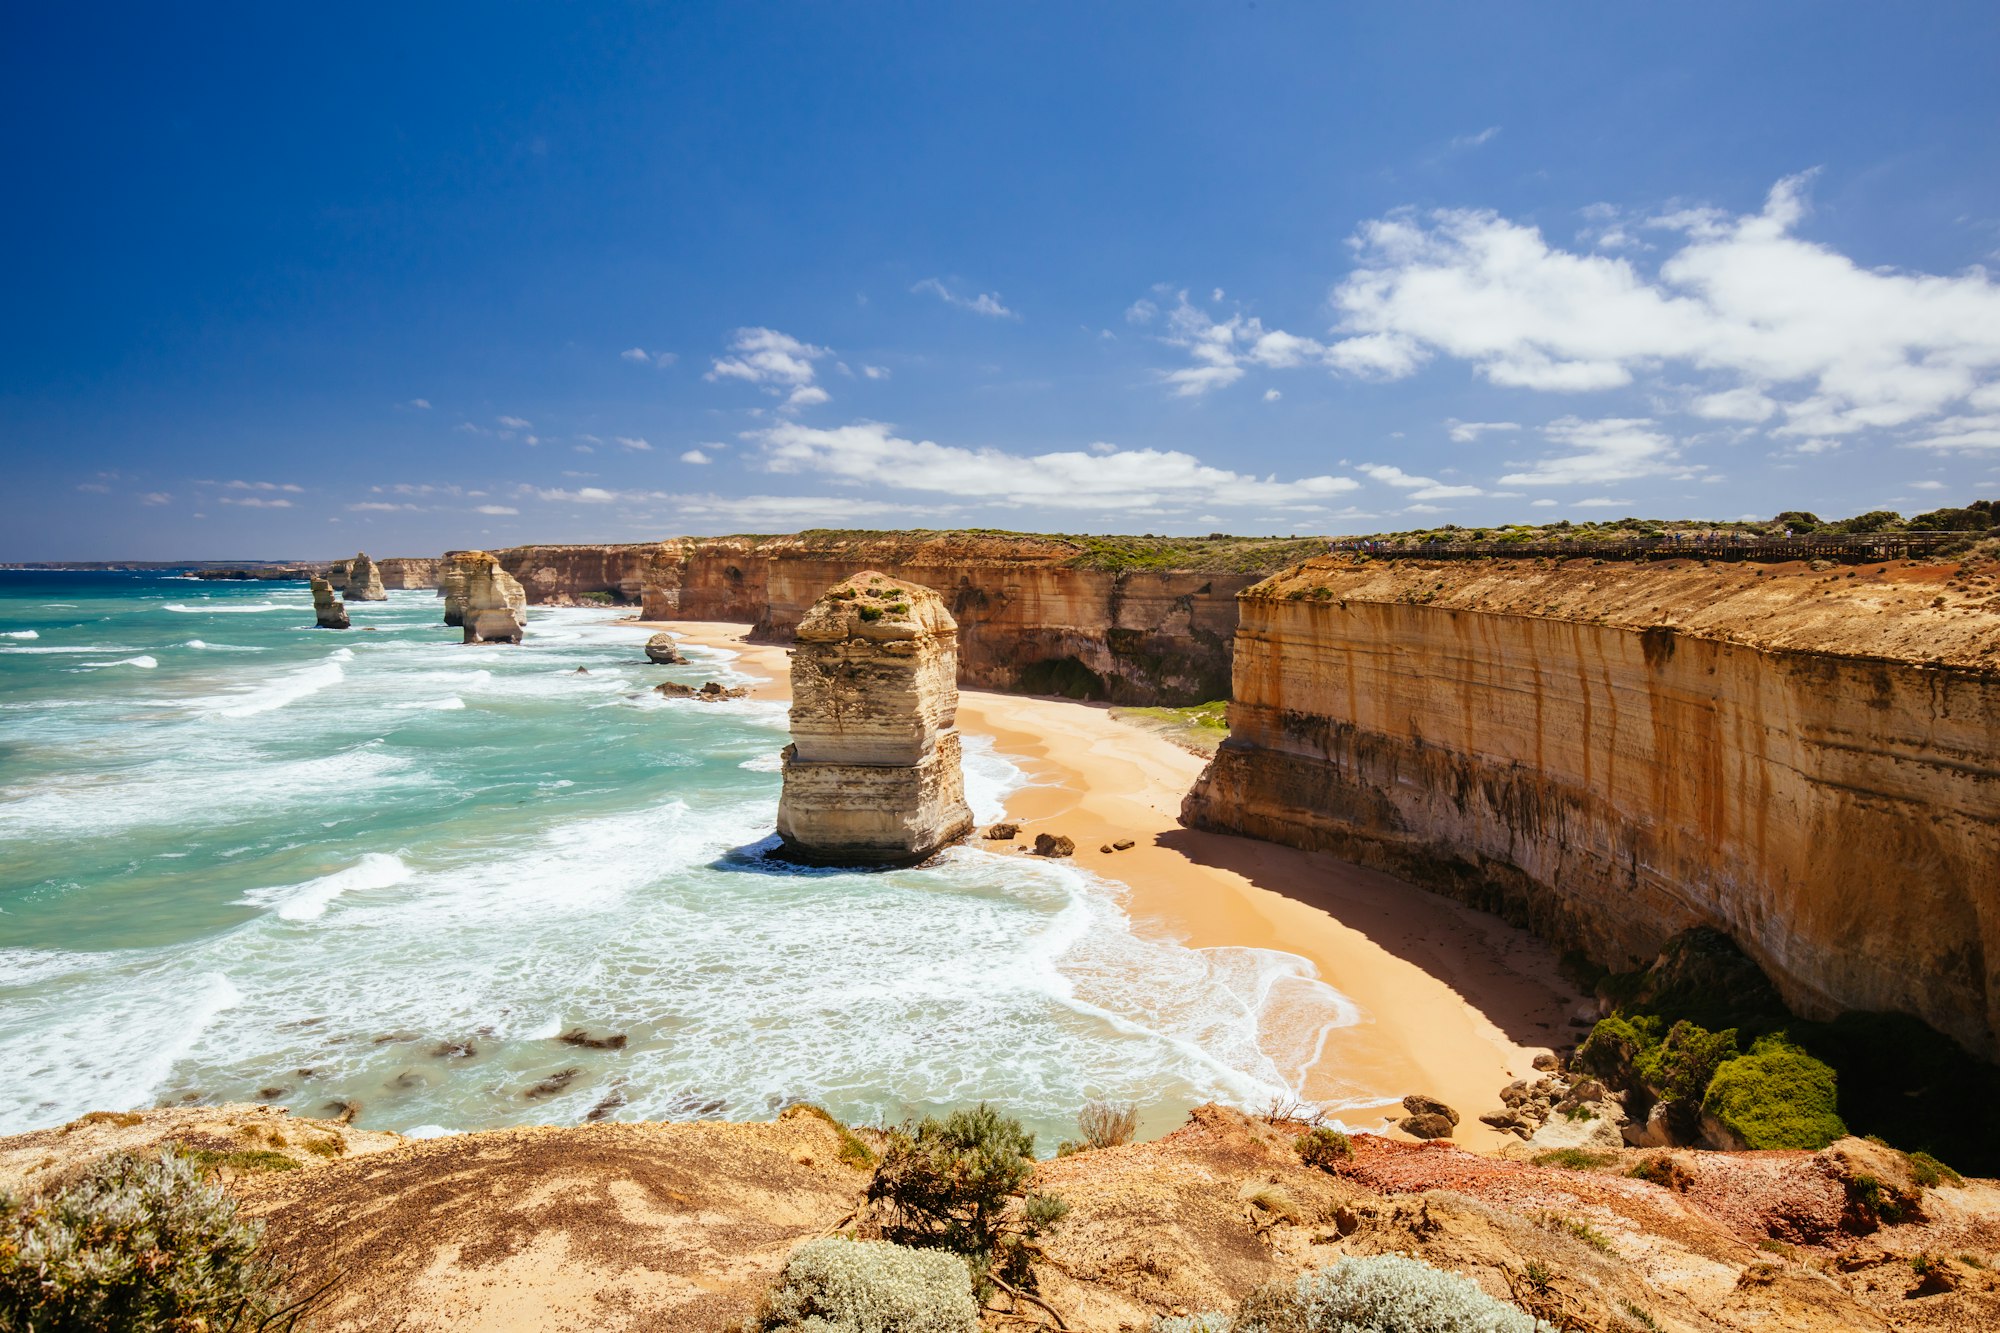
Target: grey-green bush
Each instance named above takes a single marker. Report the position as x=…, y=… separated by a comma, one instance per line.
x=140, y=1246
x=1381, y=1294
x=870, y=1286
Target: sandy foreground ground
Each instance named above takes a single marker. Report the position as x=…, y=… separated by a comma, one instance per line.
x=1454, y=1002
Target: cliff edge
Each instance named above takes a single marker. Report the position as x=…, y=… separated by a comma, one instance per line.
x=1807, y=759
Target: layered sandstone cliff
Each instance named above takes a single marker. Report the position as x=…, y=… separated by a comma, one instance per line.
x=1145, y=622
x=1808, y=760
x=873, y=775
x=329, y=612
x=488, y=601
x=364, y=581
x=406, y=572
x=564, y=575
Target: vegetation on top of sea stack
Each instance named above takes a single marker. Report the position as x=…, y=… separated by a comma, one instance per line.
x=1217, y=553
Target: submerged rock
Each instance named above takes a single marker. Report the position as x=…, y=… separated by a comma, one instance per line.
x=872, y=776
x=662, y=649
x=329, y=612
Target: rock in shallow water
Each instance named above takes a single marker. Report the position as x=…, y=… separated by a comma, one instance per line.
x=662, y=649
x=872, y=776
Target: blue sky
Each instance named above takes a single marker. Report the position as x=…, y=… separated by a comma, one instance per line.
x=403, y=278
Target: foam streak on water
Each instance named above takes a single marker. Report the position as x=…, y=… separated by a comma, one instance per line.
x=388, y=869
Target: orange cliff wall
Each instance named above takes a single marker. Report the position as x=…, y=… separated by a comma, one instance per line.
x=1022, y=603
x=1806, y=760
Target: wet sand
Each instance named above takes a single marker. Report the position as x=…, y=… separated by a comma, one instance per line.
x=1454, y=1002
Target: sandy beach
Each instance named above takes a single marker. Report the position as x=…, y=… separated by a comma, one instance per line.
x=1454, y=1003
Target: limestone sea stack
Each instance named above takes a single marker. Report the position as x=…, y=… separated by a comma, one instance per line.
x=495, y=609
x=329, y=612
x=451, y=585
x=872, y=776
x=364, y=581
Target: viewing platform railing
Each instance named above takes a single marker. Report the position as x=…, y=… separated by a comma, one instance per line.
x=1852, y=547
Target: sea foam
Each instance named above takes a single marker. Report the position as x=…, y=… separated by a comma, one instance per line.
x=309, y=901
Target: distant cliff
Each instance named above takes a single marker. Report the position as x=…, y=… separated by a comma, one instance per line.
x=1133, y=619
x=1806, y=759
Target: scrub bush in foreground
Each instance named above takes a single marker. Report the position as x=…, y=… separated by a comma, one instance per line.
x=1382, y=1294
x=861, y=1286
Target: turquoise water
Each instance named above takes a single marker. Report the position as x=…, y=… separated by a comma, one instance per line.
x=244, y=859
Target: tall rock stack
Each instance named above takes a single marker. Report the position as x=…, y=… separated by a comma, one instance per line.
x=336, y=574
x=329, y=612
x=364, y=581
x=493, y=607
x=452, y=573
x=872, y=776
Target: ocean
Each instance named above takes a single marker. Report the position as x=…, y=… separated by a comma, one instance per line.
x=448, y=888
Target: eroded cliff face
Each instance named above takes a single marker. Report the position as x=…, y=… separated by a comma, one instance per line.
x=1808, y=760
x=1029, y=616
x=405, y=572
x=873, y=775
x=364, y=581
x=567, y=575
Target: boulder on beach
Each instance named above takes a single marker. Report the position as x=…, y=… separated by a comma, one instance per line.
x=1054, y=844
x=662, y=649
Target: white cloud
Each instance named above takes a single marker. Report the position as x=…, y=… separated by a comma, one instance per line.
x=875, y=372
x=1131, y=480
x=382, y=507
x=1465, y=432
x=1420, y=488
x=643, y=357
x=155, y=498
x=1926, y=485
x=495, y=509
x=1611, y=449
x=291, y=487
x=1797, y=326
x=1272, y=395
x=256, y=502
x=633, y=442
x=775, y=362
x=421, y=404
x=696, y=456
x=588, y=495
x=514, y=423
x=986, y=303
x=1478, y=140
x=1141, y=311
x=1542, y=504
x=94, y=487
x=1962, y=434
x=1601, y=502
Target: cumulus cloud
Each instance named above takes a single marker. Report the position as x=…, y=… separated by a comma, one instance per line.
x=1272, y=395
x=641, y=356
x=256, y=502
x=777, y=363
x=421, y=404
x=986, y=303
x=1595, y=452
x=1420, y=488
x=382, y=507
x=291, y=487
x=875, y=372
x=696, y=456
x=635, y=443
x=869, y=454
x=514, y=423
x=1793, y=328
x=1465, y=432
x=495, y=509
x=155, y=498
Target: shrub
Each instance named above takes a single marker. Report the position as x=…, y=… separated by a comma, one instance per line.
x=1323, y=1147
x=1107, y=1124
x=1575, y=1159
x=854, y=1151
x=138, y=1246
x=950, y=1185
x=871, y=613
x=1929, y=1172
x=1679, y=1068
x=1615, y=1046
x=1382, y=1294
x=837, y=1285
x=1664, y=1171
x=1777, y=1096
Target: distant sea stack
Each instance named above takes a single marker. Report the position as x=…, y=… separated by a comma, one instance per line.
x=872, y=775
x=329, y=612
x=491, y=605
x=364, y=581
